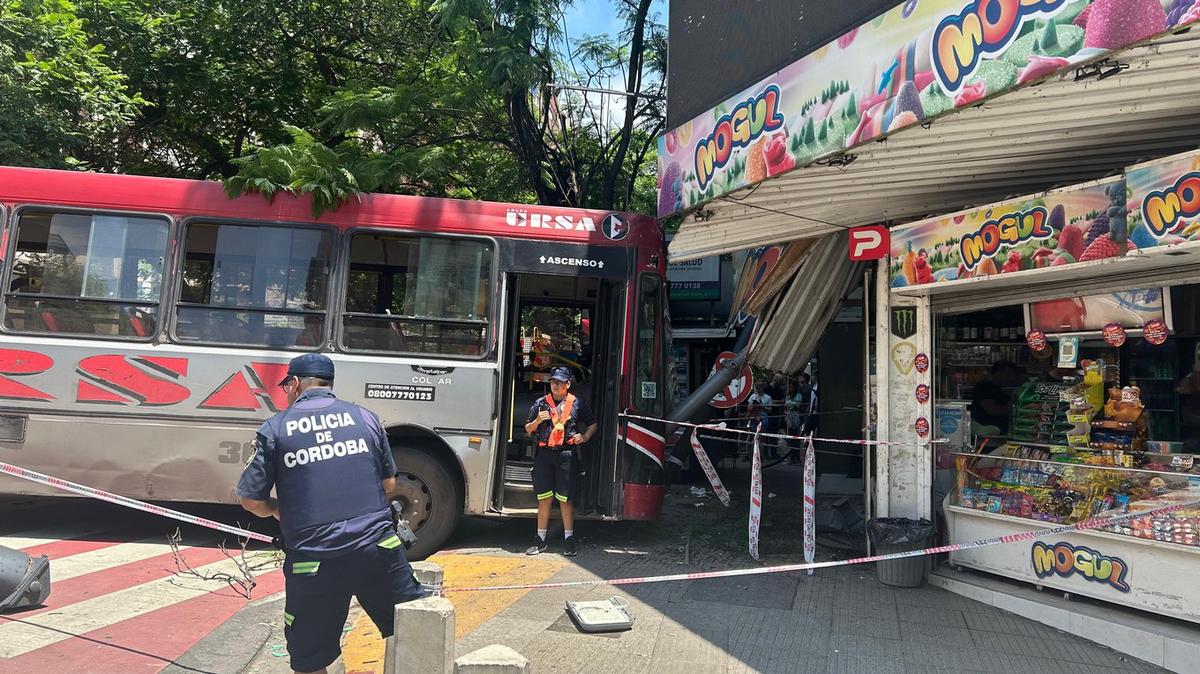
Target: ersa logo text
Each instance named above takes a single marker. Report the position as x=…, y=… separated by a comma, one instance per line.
x=519, y=217
x=749, y=120
x=1007, y=230
x=982, y=28
x=1164, y=209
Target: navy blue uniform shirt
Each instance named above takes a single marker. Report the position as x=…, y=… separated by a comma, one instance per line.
x=326, y=459
x=580, y=420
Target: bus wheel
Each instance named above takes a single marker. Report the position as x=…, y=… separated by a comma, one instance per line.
x=430, y=499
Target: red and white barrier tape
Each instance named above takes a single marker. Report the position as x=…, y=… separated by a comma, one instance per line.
x=1094, y=523
x=710, y=472
x=84, y=490
x=755, y=499
x=780, y=436
x=810, y=504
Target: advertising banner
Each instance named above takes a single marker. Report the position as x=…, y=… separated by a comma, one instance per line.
x=913, y=63
x=1096, y=313
x=1057, y=228
x=695, y=279
x=1164, y=208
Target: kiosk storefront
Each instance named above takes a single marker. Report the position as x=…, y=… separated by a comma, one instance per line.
x=1052, y=341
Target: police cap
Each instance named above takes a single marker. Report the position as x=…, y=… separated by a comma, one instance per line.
x=310, y=365
x=560, y=373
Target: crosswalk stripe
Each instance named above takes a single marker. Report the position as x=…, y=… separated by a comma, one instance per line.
x=45, y=629
x=68, y=547
x=21, y=540
x=145, y=643
x=115, y=578
x=104, y=558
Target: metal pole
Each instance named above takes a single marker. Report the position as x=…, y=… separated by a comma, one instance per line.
x=597, y=90
x=705, y=392
x=868, y=325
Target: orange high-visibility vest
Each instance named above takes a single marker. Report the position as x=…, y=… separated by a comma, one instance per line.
x=559, y=432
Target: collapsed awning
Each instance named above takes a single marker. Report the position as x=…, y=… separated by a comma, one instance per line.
x=1060, y=132
x=795, y=320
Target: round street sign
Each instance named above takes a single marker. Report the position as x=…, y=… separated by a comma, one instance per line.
x=736, y=390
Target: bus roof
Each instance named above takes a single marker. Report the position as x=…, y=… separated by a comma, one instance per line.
x=190, y=198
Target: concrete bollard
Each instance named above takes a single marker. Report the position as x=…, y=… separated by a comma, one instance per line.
x=430, y=575
x=424, y=638
x=494, y=659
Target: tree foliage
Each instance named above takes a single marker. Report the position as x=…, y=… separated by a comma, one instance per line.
x=335, y=97
x=61, y=101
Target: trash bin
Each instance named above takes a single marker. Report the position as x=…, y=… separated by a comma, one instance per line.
x=24, y=580
x=900, y=534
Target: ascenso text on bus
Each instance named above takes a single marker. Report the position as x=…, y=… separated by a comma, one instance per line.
x=144, y=381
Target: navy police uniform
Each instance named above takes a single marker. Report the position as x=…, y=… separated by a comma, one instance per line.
x=556, y=469
x=326, y=459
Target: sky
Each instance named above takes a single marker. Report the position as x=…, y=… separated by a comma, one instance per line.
x=590, y=17
x=593, y=17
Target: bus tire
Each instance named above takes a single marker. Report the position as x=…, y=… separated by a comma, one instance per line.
x=431, y=499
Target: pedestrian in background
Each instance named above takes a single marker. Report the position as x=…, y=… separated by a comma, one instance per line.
x=331, y=465
x=777, y=389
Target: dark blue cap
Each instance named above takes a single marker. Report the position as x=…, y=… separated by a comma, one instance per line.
x=310, y=365
x=560, y=374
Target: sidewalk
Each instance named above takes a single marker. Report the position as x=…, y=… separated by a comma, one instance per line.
x=838, y=620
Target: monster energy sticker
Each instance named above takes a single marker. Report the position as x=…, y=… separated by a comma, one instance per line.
x=904, y=322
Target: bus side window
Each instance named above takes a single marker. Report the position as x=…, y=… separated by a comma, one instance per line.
x=254, y=285
x=417, y=294
x=86, y=274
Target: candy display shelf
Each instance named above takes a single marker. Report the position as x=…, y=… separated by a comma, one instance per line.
x=1147, y=562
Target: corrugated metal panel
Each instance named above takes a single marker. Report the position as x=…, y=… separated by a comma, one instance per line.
x=786, y=339
x=1057, y=133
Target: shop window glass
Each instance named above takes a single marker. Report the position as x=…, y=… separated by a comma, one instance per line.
x=650, y=358
x=86, y=274
x=413, y=294
x=254, y=285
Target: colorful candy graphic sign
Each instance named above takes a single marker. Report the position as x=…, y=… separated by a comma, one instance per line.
x=1164, y=208
x=913, y=63
x=1048, y=230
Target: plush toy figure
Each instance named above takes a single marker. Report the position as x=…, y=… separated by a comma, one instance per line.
x=1124, y=404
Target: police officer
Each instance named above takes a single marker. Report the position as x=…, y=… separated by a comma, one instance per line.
x=561, y=423
x=331, y=466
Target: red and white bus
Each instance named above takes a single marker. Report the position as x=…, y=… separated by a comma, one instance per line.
x=145, y=324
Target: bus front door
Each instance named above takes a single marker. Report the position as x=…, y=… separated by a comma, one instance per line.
x=554, y=321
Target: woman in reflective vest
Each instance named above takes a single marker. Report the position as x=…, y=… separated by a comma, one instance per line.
x=561, y=423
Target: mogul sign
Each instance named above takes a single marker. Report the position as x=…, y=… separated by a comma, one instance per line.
x=1063, y=227
x=916, y=62
x=1152, y=205
x=1065, y=560
x=1164, y=208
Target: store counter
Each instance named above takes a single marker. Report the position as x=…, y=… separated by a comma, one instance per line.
x=1148, y=563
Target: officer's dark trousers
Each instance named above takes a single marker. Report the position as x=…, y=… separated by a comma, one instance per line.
x=318, y=598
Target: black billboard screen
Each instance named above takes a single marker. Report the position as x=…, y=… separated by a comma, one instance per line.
x=719, y=47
